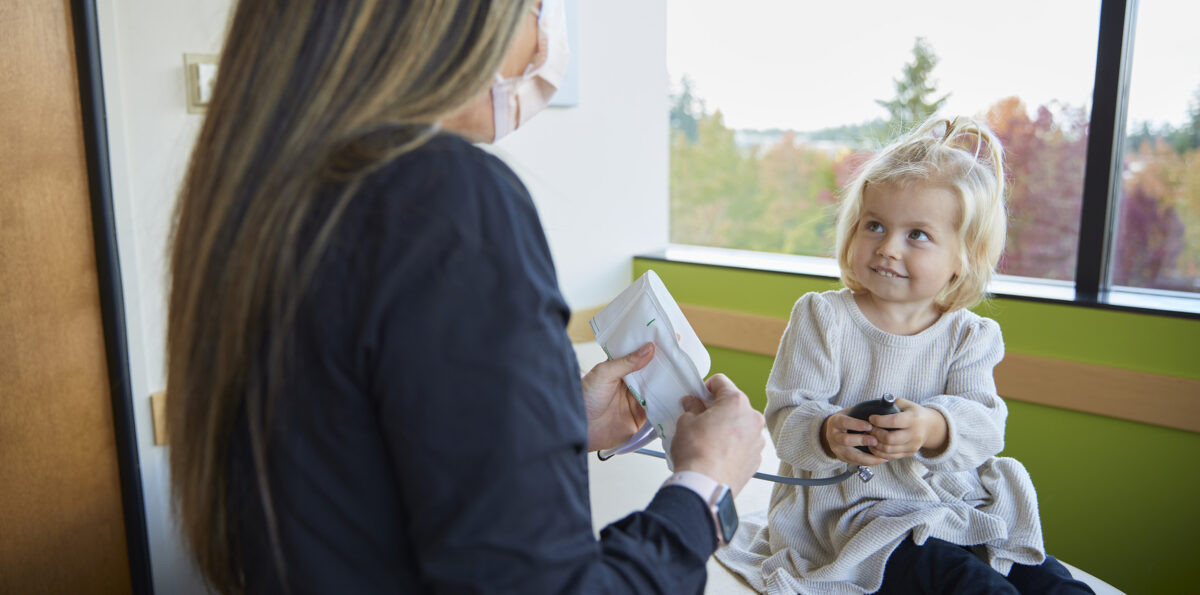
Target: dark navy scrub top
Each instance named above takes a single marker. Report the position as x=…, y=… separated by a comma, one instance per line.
x=432, y=436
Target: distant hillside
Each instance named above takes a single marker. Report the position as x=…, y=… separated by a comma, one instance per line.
x=865, y=134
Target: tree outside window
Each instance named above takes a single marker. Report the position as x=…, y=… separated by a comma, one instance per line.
x=774, y=190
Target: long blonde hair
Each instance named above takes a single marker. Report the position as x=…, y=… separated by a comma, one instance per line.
x=965, y=157
x=312, y=95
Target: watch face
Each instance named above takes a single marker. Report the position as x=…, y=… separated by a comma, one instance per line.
x=727, y=518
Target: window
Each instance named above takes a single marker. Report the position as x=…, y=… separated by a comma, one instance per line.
x=774, y=103
x=1158, y=218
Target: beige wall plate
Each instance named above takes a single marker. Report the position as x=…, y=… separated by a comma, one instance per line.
x=200, y=74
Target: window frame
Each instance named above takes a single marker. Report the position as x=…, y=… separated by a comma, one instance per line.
x=1102, y=171
x=1092, y=286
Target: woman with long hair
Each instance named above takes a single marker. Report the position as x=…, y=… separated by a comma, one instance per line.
x=371, y=387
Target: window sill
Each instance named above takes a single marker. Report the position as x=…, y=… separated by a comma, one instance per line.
x=1162, y=303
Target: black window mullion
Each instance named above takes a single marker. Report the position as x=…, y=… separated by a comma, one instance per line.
x=1102, y=174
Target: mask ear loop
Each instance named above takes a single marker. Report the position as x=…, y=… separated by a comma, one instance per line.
x=499, y=109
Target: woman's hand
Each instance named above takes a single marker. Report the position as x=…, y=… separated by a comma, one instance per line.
x=723, y=440
x=613, y=413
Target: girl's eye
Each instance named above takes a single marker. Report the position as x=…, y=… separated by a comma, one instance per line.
x=873, y=226
x=918, y=235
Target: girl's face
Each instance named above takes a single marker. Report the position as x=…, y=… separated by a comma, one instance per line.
x=906, y=247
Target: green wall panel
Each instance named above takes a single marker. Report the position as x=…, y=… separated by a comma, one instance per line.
x=1114, y=495
x=754, y=292
x=747, y=370
x=1144, y=342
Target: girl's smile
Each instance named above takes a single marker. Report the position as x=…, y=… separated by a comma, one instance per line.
x=905, y=251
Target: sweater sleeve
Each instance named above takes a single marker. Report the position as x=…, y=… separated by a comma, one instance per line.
x=803, y=381
x=480, y=402
x=975, y=414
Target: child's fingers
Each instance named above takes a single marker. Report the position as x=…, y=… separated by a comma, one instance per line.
x=849, y=439
x=845, y=423
x=848, y=433
x=903, y=419
x=857, y=457
x=892, y=437
x=895, y=444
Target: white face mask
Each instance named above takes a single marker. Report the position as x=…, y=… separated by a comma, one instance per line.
x=516, y=100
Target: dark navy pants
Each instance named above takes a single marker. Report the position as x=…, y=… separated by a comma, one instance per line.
x=943, y=567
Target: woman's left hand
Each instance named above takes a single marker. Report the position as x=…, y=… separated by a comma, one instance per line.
x=613, y=413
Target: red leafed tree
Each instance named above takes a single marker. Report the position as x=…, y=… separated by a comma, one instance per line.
x=1045, y=158
x=1151, y=236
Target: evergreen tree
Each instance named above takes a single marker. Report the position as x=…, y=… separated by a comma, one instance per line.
x=686, y=111
x=1189, y=137
x=912, y=103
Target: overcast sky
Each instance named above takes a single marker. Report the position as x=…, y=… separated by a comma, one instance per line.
x=806, y=65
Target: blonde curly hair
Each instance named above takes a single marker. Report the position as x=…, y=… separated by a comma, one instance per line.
x=961, y=155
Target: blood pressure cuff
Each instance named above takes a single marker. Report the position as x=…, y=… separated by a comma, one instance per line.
x=646, y=312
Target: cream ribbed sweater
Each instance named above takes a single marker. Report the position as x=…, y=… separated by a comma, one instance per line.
x=837, y=539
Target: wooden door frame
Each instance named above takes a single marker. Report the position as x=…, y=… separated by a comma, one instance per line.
x=112, y=301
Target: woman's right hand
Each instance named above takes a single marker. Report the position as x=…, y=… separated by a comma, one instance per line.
x=723, y=440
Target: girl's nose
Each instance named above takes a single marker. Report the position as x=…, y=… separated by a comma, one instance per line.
x=888, y=248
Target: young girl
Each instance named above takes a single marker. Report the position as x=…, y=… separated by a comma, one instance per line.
x=919, y=233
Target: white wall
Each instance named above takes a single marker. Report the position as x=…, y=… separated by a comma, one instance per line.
x=142, y=43
x=598, y=173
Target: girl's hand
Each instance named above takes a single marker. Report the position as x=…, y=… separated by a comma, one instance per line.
x=914, y=428
x=841, y=443
x=613, y=414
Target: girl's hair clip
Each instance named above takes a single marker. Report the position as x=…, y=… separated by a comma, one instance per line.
x=952, y=125
x=949, y=129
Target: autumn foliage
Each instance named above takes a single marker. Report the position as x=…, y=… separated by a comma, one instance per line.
x=778, y=195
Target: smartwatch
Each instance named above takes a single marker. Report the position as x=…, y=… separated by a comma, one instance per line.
x=717, y=496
